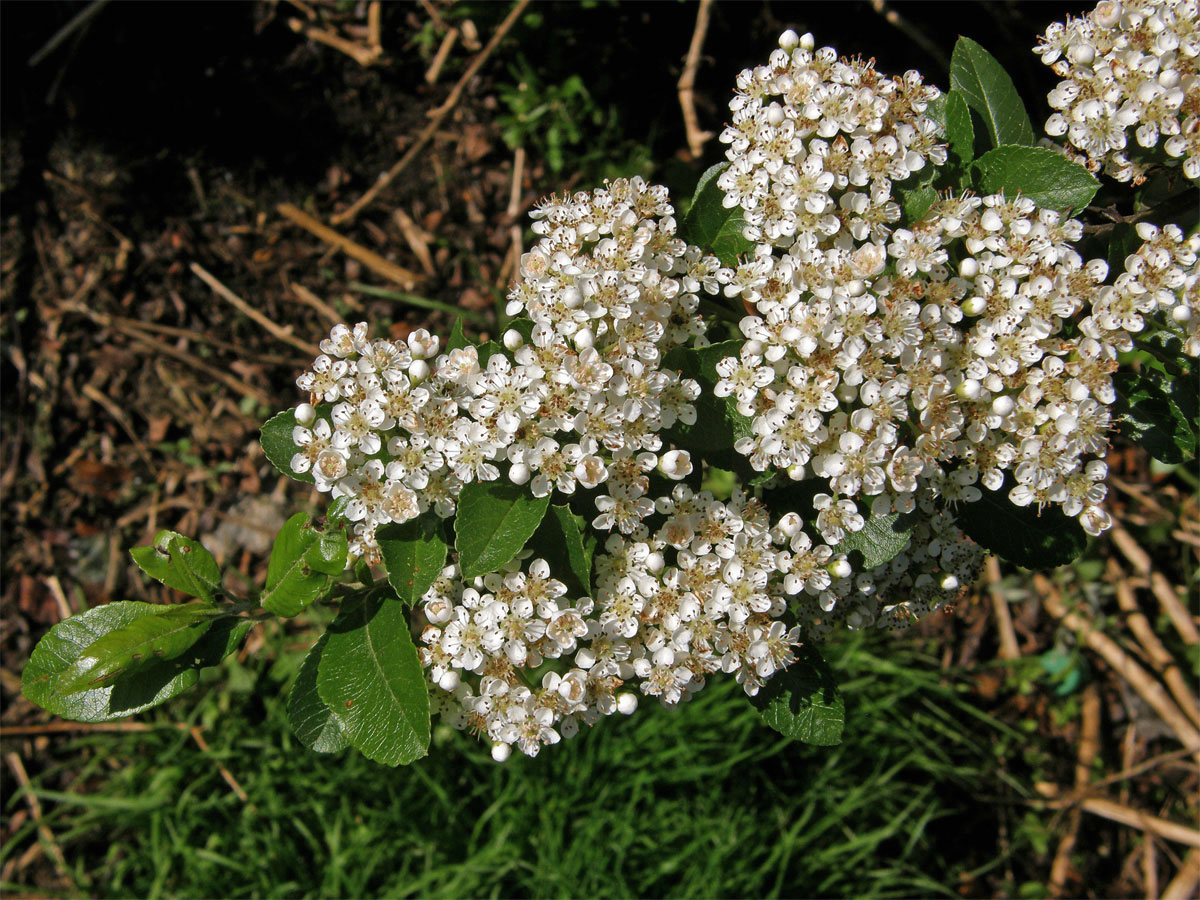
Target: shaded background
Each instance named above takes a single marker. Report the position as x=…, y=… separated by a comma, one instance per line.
x=159, y=136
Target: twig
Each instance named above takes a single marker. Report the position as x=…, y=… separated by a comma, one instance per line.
x=1009, y=649
x=1089, y=746
x=60, y=596
x=277, y=331
x=1126, y=815
x=35, y=809
x=512, y=260
x=1140, y=560
x=12, y=731
x=1162, y=660
x=417, y=239
x=375, y=26
x=434, y=14
x=911, y=32
x=398, y=274
x=1150, y=866
x=687, y=82
x=364, y=56
x=307, y=297
x=1149, y=689
x=439, y=58
x=1183, y=885
x=438, y=115
x=225, y=378
x=94, y=394
x=78, y=21
x=225, y=773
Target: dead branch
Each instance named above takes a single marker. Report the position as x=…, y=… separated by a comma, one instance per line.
x=276, y=331
x=406, y=278
x=687, y=82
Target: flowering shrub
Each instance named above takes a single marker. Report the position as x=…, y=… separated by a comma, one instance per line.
x=873, y=350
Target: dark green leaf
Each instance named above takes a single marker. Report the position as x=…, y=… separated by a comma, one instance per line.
x=303, y=564
x=989, y=91
x=1048, y=179
x=495, y=519
x=1021, y=534
x=369, y=674
x=147, y=640
x=560, y=541
x=58, y=651
x=458, y=338
x=916, y=202
x=1123, y=242
x=878, y=542
x=960, y=133
x=276, y=441
x=317, y=726
x=487, y=350
x=803, y=702
x=180, y=563
x=413, y=554
x=718, y=423
x=1158, y=413
x=712, y=227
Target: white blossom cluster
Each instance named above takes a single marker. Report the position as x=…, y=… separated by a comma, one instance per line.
x=701, y=595
x=1161, y=283
x=816, y=142
x=580, y=400
x=1127, y=65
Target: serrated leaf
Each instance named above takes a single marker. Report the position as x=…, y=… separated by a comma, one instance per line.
x=989, y=91
x=317, y=726
x=458, y=337
x=1020, y=534
x=414, y=555
x=157, y=682
x=879, y=541
x=169, y=633
x=916, y=201
x=711, y=226
x=369, y=674
x=275, y=438
x=803, y=702
x=487, y=350
x=495, y=519
x=560, y=540
x=303, y=563
x=1048, y=179
x=180, y=563
x=960, y=133
x=1158, y=413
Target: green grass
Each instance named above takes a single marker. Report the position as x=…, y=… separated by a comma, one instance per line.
x=702, y=801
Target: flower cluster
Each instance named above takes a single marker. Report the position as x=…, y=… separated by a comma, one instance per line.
x=944, y=370
x=1127, y=65
x=703, y=594
x=816, y=142
x=577, y=398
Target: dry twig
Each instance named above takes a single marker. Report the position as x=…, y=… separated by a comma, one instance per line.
x=1183, y=885
x=439, y=58
x=1139, y=679
x=438, y=116
x=35, y=809
x=1089, y=746
x=406, y=278
x=280, y=332
x=687, y=82
x=364, y=56
x=225, y=773
x=1171, y=604
x=1009, y=649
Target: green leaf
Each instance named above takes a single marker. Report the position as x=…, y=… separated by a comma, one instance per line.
x=712, y=227
x=560, y=541
x=275, y=438
x=1049, y=180
x=414, y=555
x=803, y=702
x=317, y=726
x=916, y=201
x=303, y=564
x=1021, y=534
x=1124, y=242
x=960, y=133
x=180, y=563
x=879, y=541
x=989, y=91
x=495, y=519
x=458, y=338
x=1158, y=412
x=167, y=634
x=155, y=683
x=369, y=674
x=487, y=350
x=718, y=423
